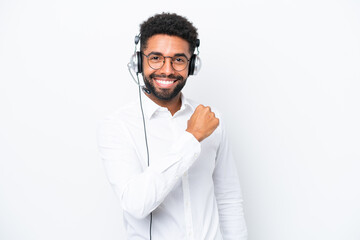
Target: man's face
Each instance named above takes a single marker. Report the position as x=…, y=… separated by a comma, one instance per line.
x=165, y=83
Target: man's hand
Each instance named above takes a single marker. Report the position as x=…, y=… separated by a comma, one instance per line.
x=202, y=123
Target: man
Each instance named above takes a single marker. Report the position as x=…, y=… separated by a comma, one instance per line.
x=180, y=180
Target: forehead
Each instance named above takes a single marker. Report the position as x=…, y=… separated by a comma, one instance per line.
x=167, y=45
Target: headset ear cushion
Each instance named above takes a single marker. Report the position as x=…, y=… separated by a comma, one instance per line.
x=139, y=62
x=192, y=64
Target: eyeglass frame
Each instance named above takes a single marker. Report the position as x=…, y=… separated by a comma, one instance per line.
x=171, y=58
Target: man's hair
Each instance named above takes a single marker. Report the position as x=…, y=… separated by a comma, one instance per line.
x=169, y=24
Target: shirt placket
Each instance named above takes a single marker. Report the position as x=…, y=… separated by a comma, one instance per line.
x=187, y=207
x=186, y=193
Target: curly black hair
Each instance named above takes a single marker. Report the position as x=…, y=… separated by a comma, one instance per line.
x=170, y=24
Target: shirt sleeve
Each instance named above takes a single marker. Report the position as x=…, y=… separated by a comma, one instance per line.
x=142, y=190
x=228, y=193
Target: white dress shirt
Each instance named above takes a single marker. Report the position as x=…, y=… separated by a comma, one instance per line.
x=191, y=188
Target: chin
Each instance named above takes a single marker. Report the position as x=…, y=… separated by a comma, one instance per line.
x=165, y=94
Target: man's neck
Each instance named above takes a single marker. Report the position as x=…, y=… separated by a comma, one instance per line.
x=173, y=105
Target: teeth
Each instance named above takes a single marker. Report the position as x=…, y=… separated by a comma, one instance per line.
x=165, y=82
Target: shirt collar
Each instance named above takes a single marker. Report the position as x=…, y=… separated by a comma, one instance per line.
x=150, y=107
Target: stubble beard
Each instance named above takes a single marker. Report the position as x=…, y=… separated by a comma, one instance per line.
x=163, y=93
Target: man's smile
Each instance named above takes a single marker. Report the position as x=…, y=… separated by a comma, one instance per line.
x=164, y=83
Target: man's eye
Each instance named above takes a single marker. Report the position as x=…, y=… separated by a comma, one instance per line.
x=179, y=60
x=155, y=58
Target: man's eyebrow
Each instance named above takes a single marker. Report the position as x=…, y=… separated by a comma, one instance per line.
x=180, y=54
x=157, y=53
x=175, y=55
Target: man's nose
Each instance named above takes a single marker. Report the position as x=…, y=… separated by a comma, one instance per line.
x=167, y=67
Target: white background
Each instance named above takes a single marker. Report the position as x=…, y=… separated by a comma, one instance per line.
x=285, y=74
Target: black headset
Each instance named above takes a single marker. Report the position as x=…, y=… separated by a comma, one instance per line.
x=136, y=63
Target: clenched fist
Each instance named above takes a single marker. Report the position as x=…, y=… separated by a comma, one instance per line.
x=202, y=123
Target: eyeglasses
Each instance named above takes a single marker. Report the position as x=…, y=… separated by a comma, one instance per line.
x=156, y=61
